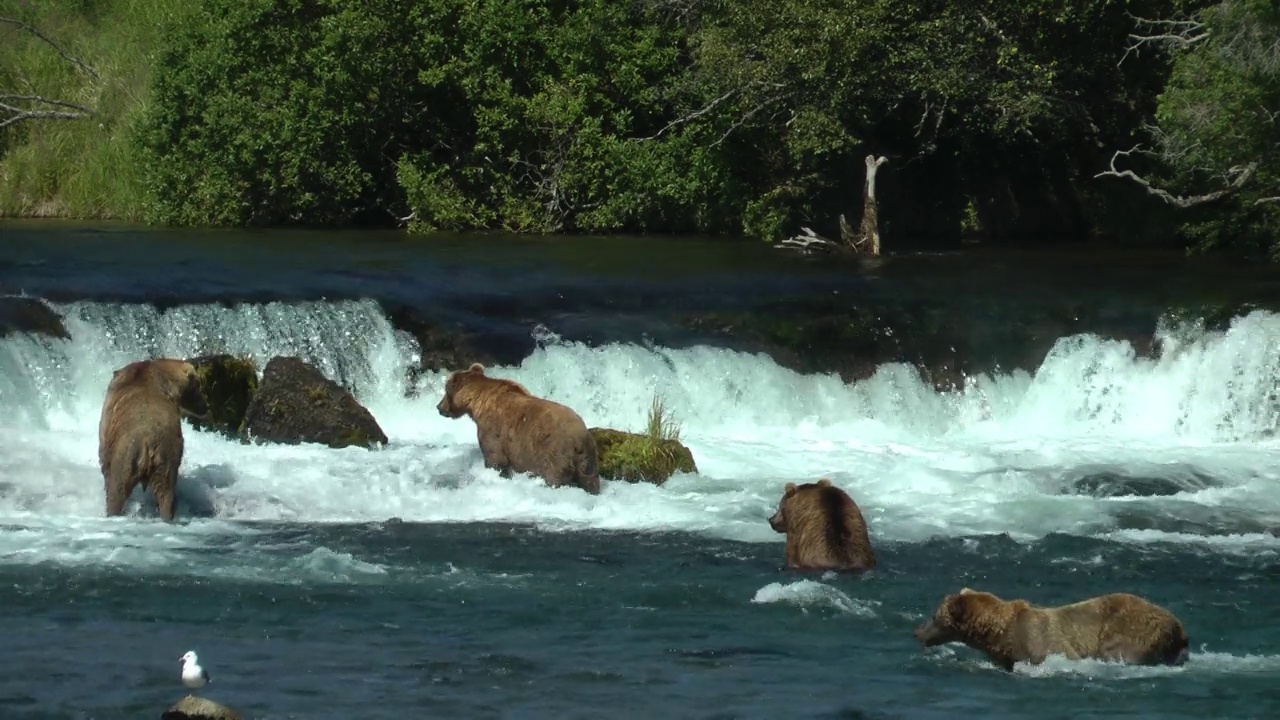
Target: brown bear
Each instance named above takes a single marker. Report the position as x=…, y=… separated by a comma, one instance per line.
x=824, y=528
x=522, y=433
x=1115, y=627
x=140, y=431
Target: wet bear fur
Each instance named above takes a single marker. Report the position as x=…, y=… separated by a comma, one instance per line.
x=824, y=527
x=1118, y=627
x=522, y=433
x=140, y=430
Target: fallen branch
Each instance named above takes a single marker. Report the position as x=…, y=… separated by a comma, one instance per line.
x=65, y=55
x=1242, y=176
x=808, y=242
x=27, y=113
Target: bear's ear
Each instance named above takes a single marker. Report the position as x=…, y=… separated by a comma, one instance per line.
x=966, y=591
x=789, y=490
x=824, y=482
x=476, y=368
x=957, y=609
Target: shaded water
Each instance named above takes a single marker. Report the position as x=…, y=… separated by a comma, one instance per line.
x=486, y=597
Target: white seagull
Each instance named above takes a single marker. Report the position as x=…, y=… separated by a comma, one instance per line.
x=193, y=676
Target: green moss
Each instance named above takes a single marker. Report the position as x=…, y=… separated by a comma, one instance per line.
x=652, y=456
x=228, y=384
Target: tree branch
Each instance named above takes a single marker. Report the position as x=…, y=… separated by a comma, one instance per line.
x=750, y=114
x=29, y=113
x=65, y=55
x=1164, y=34
x=1242, y=176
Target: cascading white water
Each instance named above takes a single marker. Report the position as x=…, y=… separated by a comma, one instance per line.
x=1003, y=456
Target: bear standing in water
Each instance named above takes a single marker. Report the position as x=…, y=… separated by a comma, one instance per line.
x=1116, y=627
x=522, y=433
x=824, y=527
x=140, y=430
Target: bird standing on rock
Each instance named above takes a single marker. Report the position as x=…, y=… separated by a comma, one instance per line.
x=193, y=676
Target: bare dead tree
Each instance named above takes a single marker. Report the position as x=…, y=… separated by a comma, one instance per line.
x=19, y=107
x=864, y=241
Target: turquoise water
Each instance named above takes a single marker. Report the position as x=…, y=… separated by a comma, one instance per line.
x=412, y=582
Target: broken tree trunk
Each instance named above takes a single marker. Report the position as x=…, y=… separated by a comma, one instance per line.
x=866, y=240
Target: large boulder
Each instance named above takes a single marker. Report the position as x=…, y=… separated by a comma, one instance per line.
x=197, y=708
x=228, y=384
x=636, y=457
x=295, y=403
x=30, y=315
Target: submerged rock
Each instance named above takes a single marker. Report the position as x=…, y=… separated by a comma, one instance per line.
x=441, y=347
x=30, y=315
x=228, y=384
x=197, y=708
x=295, y=403
x=1140, y=481
x=634, y=457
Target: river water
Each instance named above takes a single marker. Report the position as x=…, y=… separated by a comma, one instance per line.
x=412, y=582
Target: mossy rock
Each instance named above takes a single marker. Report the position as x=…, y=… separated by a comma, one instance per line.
x=296, y=403
x=634, y=457
x=228, y=384
x=198, y=708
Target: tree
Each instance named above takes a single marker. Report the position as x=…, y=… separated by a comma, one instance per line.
x=1215, y=149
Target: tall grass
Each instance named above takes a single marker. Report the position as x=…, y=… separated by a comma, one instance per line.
x=84, y=168
x=661, y=424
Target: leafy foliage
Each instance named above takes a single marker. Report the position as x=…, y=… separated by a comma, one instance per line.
x=1218, y=119
x=719, y=116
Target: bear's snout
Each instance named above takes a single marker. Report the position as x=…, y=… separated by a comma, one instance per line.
x=929, y=635
x=443, y=407
x=778, y=522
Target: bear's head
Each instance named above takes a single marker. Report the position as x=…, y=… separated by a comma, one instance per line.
x=449, y=406
x=960, y=616
x=792, y=491
x=179, y=381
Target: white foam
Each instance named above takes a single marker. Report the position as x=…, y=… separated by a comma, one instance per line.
x=1198, y=663
x=805, y=594
x=921, y=464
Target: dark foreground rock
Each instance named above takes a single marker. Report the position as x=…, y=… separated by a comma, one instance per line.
x=228, y=384
x=196, y=708
x=634, y=457
x=295, y=403
x=30, y=315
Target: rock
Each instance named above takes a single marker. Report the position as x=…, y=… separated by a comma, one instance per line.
x=196, y=708
x=441, y=348
x=30, y=315
x=228, y=384
x=296, y=403
x=634, y=457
